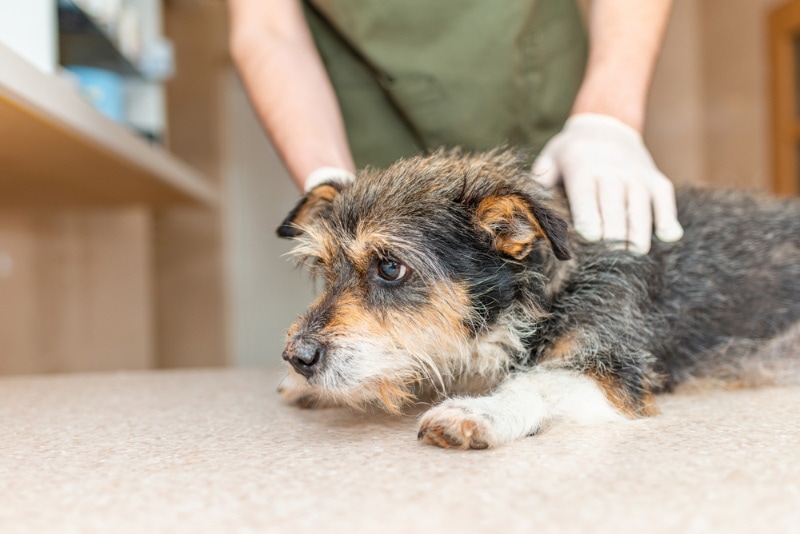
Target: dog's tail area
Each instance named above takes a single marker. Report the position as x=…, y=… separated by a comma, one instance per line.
x=747, y=363
x=776, y=362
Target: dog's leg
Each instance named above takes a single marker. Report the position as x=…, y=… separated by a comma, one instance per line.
x=518, y=408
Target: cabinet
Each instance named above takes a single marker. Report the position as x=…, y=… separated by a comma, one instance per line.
x=111, y=252
x=784, y=39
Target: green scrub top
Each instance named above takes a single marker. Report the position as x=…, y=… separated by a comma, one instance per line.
x=413, y=75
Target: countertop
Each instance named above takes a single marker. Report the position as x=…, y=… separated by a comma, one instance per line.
x=218, y=451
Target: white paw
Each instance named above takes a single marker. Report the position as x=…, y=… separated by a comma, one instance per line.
x=459, y=424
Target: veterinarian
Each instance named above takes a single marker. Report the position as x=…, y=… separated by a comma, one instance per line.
x=340, y=84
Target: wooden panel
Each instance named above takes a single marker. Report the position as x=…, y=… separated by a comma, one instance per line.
x=736, y=92
x=190, y=268
x=18, y=321
x=190, y=286
x=198, y=30
x=784, y=28
x=76, y=290
x=56, y=149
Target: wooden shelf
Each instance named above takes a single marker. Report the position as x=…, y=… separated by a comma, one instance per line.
x=57, y=150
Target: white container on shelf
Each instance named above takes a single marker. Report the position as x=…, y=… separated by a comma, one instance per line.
x=105, y=12
x=103, y=89
x=129, y=33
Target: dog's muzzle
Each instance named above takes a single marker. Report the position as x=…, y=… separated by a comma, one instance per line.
x=305, y=357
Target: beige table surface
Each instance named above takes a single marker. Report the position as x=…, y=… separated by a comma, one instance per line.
x=217, y=451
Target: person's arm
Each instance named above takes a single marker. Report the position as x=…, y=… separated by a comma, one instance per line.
x=614, y=188
x=625, y=37
x=275, y=54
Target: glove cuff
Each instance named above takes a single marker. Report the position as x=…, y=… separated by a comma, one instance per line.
x=327, y=174
x=600, y=120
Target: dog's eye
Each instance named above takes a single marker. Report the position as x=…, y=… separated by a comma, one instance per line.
x=391, y=270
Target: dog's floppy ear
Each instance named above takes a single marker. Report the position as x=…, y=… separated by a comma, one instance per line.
x=515, y=221
x=312, y=205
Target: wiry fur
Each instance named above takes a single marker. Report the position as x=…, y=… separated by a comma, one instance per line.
x=504, y=300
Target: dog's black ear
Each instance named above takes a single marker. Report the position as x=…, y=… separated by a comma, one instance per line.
x=515, y=221
x=312, y=205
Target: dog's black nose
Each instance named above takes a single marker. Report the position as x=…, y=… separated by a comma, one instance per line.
x=305, y=358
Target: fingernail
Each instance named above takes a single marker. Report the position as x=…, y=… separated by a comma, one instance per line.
x=589, y=232
x=671, y=233
x=635, y=248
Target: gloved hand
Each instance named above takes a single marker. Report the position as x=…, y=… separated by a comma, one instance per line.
x=327, y=174
x=614, y=189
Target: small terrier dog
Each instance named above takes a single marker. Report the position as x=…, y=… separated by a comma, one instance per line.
x=455, y=277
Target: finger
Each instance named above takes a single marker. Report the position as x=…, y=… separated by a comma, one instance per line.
x=545, y=170
x=611, y=194
x=640, y=219
x=582, y=195
x=668, y=229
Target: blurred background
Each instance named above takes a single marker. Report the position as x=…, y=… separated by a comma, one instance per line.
x=139, y=195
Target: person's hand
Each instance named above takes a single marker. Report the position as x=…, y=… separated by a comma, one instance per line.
x=614, y=189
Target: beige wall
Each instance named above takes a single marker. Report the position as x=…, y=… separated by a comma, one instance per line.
x=708, y=119
x=737, y=96
x=266, y=292
x=675, y=121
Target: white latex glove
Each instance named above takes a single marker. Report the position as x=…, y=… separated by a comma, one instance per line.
x=614, y=189
x=327, y=174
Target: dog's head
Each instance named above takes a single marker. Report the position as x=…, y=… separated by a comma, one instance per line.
x=421, y=262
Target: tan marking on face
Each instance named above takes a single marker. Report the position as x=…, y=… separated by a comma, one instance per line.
x=510, y=221
x=630, y=407
x=360, y=252
x=446, y=314
x=292, y=330
x=327, y=248
x=409, y=347
x=362, y=249
x=350, y=315
x=315, y=243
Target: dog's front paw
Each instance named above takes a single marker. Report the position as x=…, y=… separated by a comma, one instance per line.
x=457, y=424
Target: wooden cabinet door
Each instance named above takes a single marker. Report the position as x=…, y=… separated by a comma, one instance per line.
x=784, y=36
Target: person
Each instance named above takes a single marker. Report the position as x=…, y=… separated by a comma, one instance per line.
x=339, y=84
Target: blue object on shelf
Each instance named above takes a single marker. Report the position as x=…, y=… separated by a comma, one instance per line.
x=103, y=89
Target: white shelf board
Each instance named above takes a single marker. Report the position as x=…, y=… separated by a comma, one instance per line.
x=57, y=149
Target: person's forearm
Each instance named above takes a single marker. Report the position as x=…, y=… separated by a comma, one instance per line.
x=625, y=38
x=291, y=92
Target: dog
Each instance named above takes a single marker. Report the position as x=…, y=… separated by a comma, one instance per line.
x=454, y=278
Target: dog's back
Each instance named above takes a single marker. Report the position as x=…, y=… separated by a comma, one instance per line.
x=729, y=286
